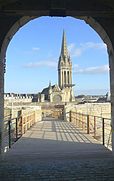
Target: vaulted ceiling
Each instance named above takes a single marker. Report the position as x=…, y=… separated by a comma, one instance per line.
x=95, y=8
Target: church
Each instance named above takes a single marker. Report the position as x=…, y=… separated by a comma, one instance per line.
x=63, y=92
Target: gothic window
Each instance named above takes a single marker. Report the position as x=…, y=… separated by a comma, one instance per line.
x=68, y=77
x=64, y=77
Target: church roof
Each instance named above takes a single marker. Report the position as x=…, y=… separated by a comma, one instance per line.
x=46, y=90
x=55, y=88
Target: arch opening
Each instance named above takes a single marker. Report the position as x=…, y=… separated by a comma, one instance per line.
x=96, y=26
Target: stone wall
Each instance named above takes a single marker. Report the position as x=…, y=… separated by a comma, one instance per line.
x=96, y=109
x=15, y=111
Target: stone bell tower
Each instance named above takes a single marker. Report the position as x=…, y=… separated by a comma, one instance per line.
x=64, y=66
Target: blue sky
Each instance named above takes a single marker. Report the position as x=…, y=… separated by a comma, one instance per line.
x=33, y=54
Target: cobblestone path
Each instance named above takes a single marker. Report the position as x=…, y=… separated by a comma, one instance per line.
x=54, y=150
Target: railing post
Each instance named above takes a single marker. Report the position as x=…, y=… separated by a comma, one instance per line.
x=103, y=132
x=16, y=129
x=70, y=114
x=88, y=131
x=9, y=132
x=94, y=126
x=21, y=123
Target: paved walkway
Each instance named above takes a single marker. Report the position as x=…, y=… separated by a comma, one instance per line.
x=54, y=150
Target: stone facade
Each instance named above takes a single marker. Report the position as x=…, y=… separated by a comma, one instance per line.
x=10, y=98
x=62, y=92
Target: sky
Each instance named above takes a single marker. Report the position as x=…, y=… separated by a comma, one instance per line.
x=33, y=53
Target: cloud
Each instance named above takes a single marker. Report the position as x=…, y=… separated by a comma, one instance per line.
x=77, y=51
x=75, y=66
x=74, y=51
x=93, y=45
x=47, y=63
x=32, y=50
x=92, y=70
x=35, y=48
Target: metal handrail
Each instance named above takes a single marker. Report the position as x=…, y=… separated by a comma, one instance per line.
x=15, y=127
x=95, y=126
x=9, y=121
x=90, y=115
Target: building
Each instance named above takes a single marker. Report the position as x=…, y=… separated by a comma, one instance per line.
x=62, y=92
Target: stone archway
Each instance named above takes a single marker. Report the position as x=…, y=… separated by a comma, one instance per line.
x=96, y=25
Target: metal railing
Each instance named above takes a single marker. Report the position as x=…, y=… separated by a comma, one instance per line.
x=12, y=131
x=98, y=127
x=14, y=128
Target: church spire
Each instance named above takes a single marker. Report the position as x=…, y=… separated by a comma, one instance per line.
x=64, y=66
x=64, y=52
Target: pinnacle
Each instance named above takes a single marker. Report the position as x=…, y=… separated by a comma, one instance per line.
x=64, y=51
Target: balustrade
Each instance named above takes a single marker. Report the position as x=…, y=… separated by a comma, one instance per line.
x=96, y=126
x=14, y=128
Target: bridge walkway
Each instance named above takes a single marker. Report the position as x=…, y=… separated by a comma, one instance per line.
x=55, y=150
